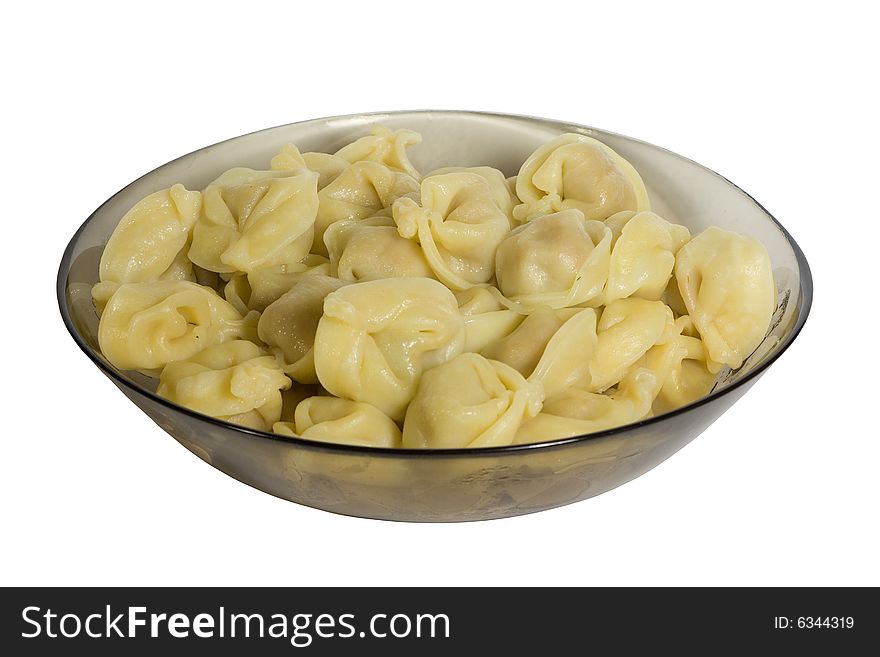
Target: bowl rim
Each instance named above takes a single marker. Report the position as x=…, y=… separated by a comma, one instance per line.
x=805, y=298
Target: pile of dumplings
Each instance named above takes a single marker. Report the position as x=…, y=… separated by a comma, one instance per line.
x=348, y=298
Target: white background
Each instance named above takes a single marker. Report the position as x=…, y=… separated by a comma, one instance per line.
x=783, y=489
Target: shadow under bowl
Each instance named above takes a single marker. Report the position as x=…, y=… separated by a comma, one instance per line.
x=463, y=484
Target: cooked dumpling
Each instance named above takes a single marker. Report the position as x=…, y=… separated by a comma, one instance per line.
x=680, y=366
x=149, y=243
x=376, y=338
x=553, y=346
x=500, y=187
x=726, y=282
x=180, y=269
x=145, y=326
x=459, y=226
x=486, y=320
x=511, y=187
x=327, y=166
x=616, y=222
x=252, y=219
x=237, y=291
x=235, y=381
x=288, y=159
x=268, y=284
x=470, y=402
x=687, y=383
x=576, y=412
x=262, y=287
x=487, y=328
x=521, y=347
x=150, y=236
x=643, y=256
x=288, y=325
x=370, y=249
x=477, y=300
x=386, y=147
x=359, y=191
x=576, y=171
x=626, y=330
x=557, y=260
x=334, y=420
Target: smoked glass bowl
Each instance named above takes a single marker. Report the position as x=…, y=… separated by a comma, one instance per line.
x=455, y=484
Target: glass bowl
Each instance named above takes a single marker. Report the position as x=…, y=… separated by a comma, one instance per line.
x=455, y=484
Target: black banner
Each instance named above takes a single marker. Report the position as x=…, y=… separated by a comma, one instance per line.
x=421, y=621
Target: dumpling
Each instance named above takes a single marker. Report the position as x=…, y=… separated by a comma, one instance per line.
x=521, y=348
x=327, y=166
x=477, y=300
x=288, y=325
x=486, y=320
x=370, y=249
x=626, y=330
x=288, y=159
x=334, y=420
x=376, y=338
x=470, y=402
x=726, y=282
x=680, y=366
x=511, y=187
x=459, y=226
x=252, y=219
x=487, y=328
x=576, y=412
x=181, y=269
x=643, y=257
x=235, y=381
x=145, y=326
x=687, y=383
x=149, y=243
x=501, y=189
x=616, y=222
x=565, y=361
x=576, y=171
x=258, y=289
x=557, y=260
x=150, y=236
x=359, y=191
x=386, y=147
x=237, y=291
x=553, y=346
x=268, y=284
